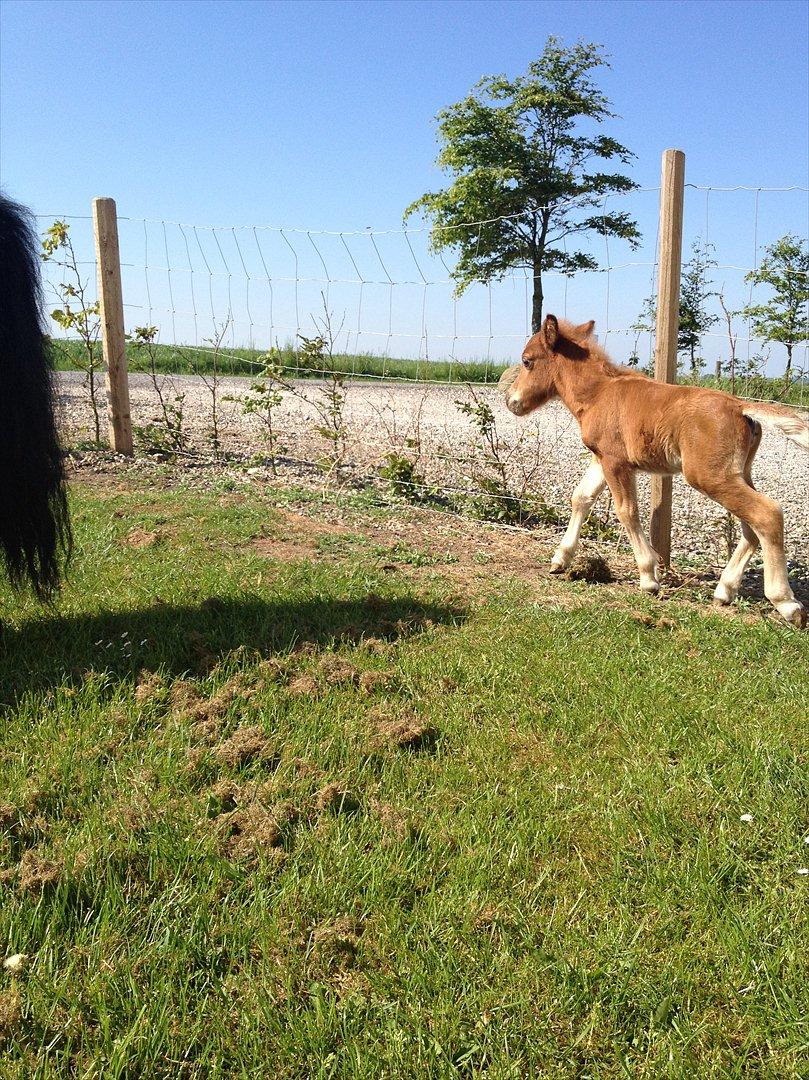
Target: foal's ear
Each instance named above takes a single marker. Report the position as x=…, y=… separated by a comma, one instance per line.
x=550, y=330
x=586, y=328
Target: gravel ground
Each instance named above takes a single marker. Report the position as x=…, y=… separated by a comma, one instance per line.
x=543, y=454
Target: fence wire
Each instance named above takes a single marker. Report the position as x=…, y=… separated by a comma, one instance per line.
x=411, y=364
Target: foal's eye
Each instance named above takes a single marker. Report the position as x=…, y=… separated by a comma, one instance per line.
x=526, y=363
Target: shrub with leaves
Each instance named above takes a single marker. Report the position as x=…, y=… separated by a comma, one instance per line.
x=77, y=314
x=263, y=399
x=316, y=357
x=403, y=480
x=207, y=364
x=496, y=501
x=165, y=432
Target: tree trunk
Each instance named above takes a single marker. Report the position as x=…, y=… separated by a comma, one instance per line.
x=788, y=369
x=536, y=308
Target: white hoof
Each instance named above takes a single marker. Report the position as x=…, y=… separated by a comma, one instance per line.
x=794, y=613
x=723, y=594
x=559, y=564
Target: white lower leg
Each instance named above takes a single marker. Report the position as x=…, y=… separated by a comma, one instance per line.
x=645, y=556
x=728, y=586
x=777, y=588
x=589, y=488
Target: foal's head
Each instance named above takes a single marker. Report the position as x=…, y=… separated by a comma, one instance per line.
x=553, y=345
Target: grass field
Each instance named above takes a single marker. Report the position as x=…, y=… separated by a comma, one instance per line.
x=67, y=356
x=181, y=360
x=301, y=788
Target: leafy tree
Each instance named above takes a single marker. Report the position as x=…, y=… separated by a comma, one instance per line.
x=521, y=174
x=695, y=291
x=644, y=324
x=785, y=319
x=693, y=319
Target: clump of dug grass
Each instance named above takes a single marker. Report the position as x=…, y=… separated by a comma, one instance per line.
x=36, y=873
x=336, y=799
x=338, y=672
x=592, y=568
x=10, y=1013
x=335, y=943
x=246, y=744
x=404, y=730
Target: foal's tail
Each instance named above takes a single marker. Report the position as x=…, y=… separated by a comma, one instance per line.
x=780, y=418
x=35, y=529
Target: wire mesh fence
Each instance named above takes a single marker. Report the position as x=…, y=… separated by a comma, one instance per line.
x=351, y=353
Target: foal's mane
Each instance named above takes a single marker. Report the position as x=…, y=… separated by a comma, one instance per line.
x=583, y=347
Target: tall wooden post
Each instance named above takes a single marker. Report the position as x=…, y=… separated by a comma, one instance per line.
x=672, y=189
x=108, y=261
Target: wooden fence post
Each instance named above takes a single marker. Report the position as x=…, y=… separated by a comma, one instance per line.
x=119, y=420
x=672, y=190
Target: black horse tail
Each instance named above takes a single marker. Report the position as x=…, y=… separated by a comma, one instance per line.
x=35, y=533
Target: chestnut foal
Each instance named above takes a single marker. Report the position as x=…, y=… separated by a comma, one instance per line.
x=632, y=423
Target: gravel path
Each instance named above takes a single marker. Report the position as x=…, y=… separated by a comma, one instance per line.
x=543, y=454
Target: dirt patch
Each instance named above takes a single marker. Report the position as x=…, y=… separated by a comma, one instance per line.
x=135, y=815
x=140, y=538
x=22, y=823
x=376, y=645
x=284, y=550
x=183, y=695
x=272, y=670
x=488, y=918
x=246, y=744
x=297, y=537
x=394, y=822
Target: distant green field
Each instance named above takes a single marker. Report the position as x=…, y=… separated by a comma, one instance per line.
x=179, y=360
x=188, y=361
x=340, y=804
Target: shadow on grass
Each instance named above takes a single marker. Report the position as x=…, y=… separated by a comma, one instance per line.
x=191, y=638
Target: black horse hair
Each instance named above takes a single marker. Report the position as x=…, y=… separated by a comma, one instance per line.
x=35, y=533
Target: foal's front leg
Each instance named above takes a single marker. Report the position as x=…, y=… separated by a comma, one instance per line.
x=621, y=480
x=587, y=491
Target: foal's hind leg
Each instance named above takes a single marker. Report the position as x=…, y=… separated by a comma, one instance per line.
x=766, y=519
x=621, y=479
x=587, y=491
x=727, y=588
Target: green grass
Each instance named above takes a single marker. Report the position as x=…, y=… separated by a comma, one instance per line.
x=546, y=875
x=179, y=360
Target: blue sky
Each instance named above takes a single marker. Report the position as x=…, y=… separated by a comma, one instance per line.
x=321, y=116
